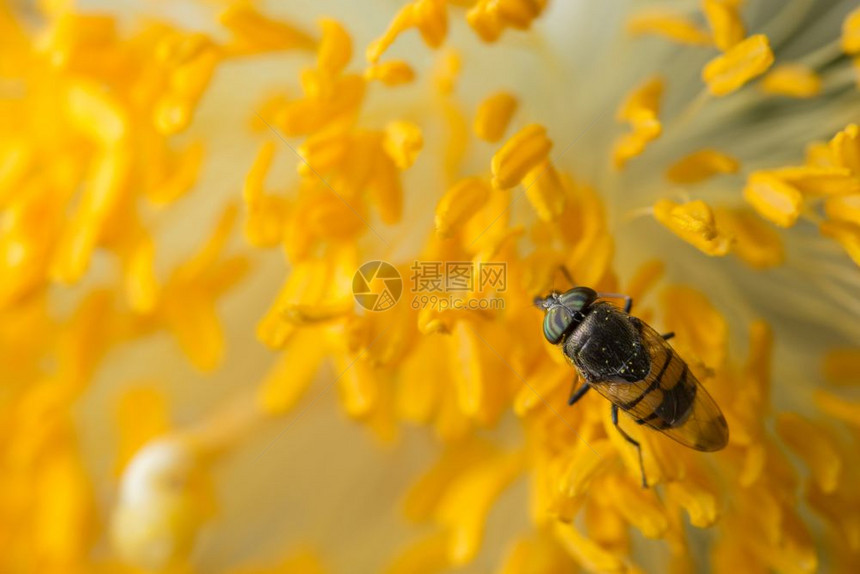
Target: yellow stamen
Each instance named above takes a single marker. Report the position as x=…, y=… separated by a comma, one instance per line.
x=80, y=42
x=818, y=154
x=819, y=180
x=519, y=14
x=292, y=374
x=843, y=208
x=592, y=259
x=97, y=114
x=633, y=144
x=814, y=446
x=842, y=366
x=672, y=26
x=643, y=103
x=392, y=73
x=305, y=285
x=429, y=16
x=335, y=49
x=606, y=527
x=588, y=553
x=184, y=173
x=541, y=384
x=701, y=165
x=743, y=62
x=535, y=555
x=385, y=190
x=725, y=21
x=524, y=151
x=584, y=466
x=698, y=325
x=699, y=502
x=431, y=19
x=194, y=59
x=141, y=284
x=424, y=495
x=254, y=33
x=16, y=157
x=82, y=233
x=358, y=385
x=845, y=149
x=267, y=215
x=794, y=80
x=142, y=415
x=545, y=190
x=773, y=199
x=321, y=153
x=447, y=70
x=693, y=222
x=464, y=508
x=418, y=396
x=255, y=179
x=63, y=516
x=402, y=142
x=494, y=115
x=839, y=408
x=469, y=370
x=846, y=234
x=485, y=20
x=851, y=33
x=424, y=556
x=645, y=278
x=639, y=507
x=640, y=110
x=755, y=243
x=307, y=116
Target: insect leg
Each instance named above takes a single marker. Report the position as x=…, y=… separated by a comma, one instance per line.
x=628, y=300
x=629, y=439
x=576, y=394
x=669, y=335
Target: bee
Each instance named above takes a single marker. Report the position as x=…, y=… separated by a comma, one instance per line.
x=633, y=366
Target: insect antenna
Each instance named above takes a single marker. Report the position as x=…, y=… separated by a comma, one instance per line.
x=567, y=275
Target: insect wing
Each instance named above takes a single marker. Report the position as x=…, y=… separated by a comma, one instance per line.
x=670, y=399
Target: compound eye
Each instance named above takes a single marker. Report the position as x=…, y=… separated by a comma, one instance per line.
x=578, y=298
x=556, y=323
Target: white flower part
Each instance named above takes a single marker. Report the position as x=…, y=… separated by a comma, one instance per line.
x=158, y=515
x=162, y=465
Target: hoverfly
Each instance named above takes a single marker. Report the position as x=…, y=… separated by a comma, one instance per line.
x=634, y=367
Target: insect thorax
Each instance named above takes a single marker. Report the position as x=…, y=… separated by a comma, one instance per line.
x=607, y=346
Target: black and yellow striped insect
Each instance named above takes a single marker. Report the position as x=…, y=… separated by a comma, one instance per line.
x=634, y=367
